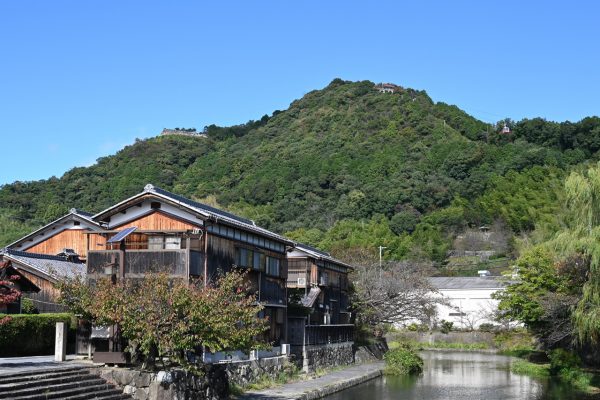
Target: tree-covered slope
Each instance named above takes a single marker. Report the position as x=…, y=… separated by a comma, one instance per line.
x=343, y=167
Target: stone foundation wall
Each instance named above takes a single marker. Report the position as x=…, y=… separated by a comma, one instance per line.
x=370, y=353
x=326, y=356
x=181, y=385
x=167, y=385
x=244, y=372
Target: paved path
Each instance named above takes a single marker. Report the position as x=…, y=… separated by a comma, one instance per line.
x=10, y=365
x=319, y=387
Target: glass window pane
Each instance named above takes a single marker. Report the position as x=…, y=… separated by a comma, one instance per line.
x=256, y=264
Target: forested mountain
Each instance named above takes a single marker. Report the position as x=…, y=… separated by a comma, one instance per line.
x=345, y=167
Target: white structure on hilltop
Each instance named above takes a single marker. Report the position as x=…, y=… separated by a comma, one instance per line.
x=469, y=299
x=183, y=132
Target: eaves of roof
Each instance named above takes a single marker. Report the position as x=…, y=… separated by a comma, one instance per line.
x=73, y=213
x=208, y=212
x=320, y=255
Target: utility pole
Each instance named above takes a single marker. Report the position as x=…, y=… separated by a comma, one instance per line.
x=380, y=254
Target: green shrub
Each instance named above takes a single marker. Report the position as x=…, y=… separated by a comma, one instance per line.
x=562, y=359
x=565, y=365
x=523, y=367
x=403, y=360
x=487, y=327
x=27, y=306
x=413, y=327
x=514, y=343
x=457, y=345
x=446, y=326
x=33, y=335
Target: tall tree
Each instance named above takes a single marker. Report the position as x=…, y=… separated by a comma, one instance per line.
x=583, y=198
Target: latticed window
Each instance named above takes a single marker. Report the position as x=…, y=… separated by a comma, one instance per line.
x=272, y=266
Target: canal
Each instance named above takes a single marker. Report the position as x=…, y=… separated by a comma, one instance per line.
x=464, y=376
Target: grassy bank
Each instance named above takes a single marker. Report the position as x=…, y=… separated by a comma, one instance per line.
x=571, y=375
x=515, y=342
x=439, y=345
x=403, y=359
x=523, y=367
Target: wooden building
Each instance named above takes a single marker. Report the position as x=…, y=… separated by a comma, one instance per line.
x=22, y=284
x=66, y=235
x=43, y=271
x=318, y=285
x=156, y=230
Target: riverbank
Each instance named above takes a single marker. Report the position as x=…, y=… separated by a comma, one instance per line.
x=319, y=387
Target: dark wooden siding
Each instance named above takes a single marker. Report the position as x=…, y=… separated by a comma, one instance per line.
x=46, y=299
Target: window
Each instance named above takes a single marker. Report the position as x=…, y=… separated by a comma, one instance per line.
x=250, y=259
x=155, y=243
x=242, y=257
x=256, y=264
x=172, y=242
x=272, y=266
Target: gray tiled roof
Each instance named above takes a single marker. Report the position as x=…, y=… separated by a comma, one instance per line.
x=319, y=254
x=82, y=213
x=224, y=216
x=488, y=282
x=203, y=209
x=53, y=266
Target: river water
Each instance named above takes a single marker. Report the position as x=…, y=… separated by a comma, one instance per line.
x=463, y=376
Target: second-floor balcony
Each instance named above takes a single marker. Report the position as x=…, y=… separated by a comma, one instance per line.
x=136, y=263
x=297, y=278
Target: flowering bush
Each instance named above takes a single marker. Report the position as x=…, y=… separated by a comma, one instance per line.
x=8, y=292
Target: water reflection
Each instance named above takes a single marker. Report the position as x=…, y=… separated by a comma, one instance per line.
x=458, y=375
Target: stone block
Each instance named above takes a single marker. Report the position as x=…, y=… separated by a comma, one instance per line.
x=60, y=344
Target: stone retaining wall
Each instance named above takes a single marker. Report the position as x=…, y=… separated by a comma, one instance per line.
x=370, y=353
x=163, y=385
x=177, y=384
x=244, y=372
x=326, y=356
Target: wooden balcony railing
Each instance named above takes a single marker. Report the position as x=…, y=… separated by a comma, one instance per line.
x=323, y=334
x=298, y=278
x=177, y=262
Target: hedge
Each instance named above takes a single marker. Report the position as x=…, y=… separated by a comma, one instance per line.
x=34, y=334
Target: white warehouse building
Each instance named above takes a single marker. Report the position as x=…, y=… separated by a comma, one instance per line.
x=469, y=299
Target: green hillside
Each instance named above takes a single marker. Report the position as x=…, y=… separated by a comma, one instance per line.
x=346, y=168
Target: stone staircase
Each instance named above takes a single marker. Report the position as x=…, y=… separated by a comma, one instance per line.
x=68, y=383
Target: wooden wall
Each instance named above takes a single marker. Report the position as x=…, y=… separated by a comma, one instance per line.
x=45, y=299
x=75, y=239
x=158, y=221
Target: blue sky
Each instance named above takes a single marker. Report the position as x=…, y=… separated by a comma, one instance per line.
x=79, y=80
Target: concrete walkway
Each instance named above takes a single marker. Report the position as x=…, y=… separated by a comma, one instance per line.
x=10, y=365
x=319, y=387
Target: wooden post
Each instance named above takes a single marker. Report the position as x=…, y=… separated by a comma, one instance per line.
x=205, y=255
x=188, y=243
x=60, y=344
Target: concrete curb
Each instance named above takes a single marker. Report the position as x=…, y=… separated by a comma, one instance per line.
x=318, y=388
x=339, y=386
